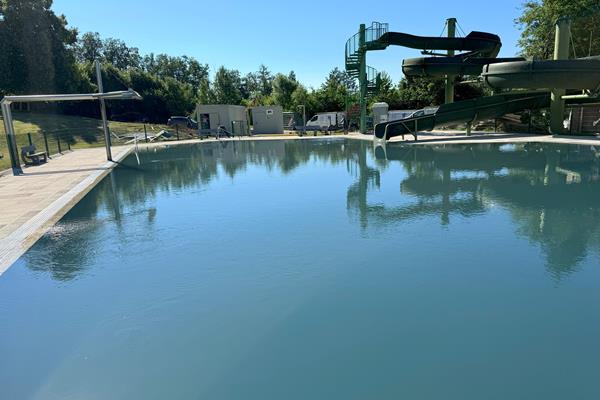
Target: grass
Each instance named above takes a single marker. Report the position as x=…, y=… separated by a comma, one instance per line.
x=62, y=131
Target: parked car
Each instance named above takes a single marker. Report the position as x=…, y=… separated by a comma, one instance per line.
x=327, y=121
x=186, y=122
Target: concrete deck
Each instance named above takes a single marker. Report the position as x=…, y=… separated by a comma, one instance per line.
x=36, y=200
x=446, y=137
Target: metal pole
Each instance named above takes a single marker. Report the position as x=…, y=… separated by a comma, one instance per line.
x=303, y=120
x=107, y=140
x=10, y=139
x=449, y=92
x=346, y=127
x=561, y=52
x=46, y=143
x=145, y=133
x=362, y=77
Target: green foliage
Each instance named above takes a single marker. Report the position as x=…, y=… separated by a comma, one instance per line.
x=331, y=96
x=43, y=55
x=538, y=24
x=183, y=69
x=283, y=88
x=89, y=48
x=35, y=46
x=227, y=86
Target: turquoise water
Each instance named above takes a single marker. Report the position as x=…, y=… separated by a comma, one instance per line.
x=316, y=269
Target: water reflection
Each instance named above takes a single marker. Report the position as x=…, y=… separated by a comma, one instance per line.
x=550, y=191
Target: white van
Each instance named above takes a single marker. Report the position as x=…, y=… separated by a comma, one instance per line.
x=326, y=120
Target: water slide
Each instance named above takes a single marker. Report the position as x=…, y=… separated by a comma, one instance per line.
x=480, y=49
x=464, y=111
x=580, y=74
x=498, y=73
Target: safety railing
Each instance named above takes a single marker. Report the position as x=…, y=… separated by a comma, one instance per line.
x=372, y=34
x=375, y=31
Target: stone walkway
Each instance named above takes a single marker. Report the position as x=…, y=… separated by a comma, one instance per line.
x=36, y=200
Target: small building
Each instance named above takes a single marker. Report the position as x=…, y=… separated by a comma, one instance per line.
x=233, y=118
x=267, y=120
x=380, y=113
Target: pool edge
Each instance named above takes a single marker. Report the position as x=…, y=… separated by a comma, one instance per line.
x=13, y=246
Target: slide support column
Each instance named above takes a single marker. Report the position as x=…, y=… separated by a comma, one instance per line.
x=449, y=93
x=561, y=52
x=362, y=77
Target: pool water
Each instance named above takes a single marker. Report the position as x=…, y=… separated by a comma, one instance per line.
x=313, y=269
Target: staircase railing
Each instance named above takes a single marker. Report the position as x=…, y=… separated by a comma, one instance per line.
x=352, y=51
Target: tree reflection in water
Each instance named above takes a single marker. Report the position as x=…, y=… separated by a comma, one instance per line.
x=550, y=191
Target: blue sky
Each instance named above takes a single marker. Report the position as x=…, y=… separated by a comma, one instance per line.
x=307, y=36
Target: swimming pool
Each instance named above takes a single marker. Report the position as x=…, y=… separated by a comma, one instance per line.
x=316, y=269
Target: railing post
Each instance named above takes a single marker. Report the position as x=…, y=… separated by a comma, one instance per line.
x=177, y=131
x=58, y=143
x=145, y=133
x=29, y=138
x=46, y=143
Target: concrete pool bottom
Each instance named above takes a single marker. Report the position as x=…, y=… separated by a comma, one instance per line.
x=36, y=200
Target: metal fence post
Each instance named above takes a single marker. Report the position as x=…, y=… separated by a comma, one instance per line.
x=46, y=143
x=58, y=142
x=177, y=131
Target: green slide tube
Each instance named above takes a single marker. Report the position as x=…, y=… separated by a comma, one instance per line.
x=465, y=111
x=581, y=73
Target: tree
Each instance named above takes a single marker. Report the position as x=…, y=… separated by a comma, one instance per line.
x=537, y=22
x=421, y=91
x=226, y=87
x=89, y=48
x=331, y=96
x=120, y=55
x=250, y=86
x=183, y=69
x=265, y=80
x=301, y=96
x=387, y=92
x=36, y=50
x=283, y=87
